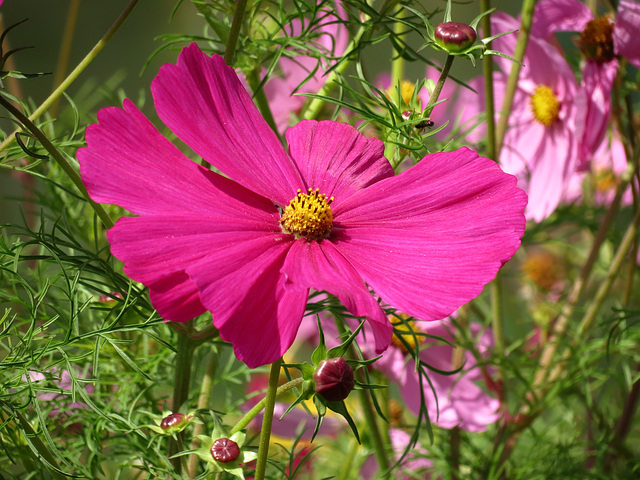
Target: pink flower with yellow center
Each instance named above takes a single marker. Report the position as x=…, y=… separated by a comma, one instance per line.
x=540, y=146
x=602, y=40
x=328, y=214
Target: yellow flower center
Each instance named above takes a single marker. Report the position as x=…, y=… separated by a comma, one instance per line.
x=545, y=105
x=542, y=268
x=596, y=41
x=308, y=215
x=604, y=180
x=406, y=91
x=406, y=333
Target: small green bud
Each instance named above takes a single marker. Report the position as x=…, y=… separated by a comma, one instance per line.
x=455, y=37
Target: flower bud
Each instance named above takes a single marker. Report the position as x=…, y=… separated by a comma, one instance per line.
x=333, y=379
x=225, y=450
x=173, y=421
x=455, y=37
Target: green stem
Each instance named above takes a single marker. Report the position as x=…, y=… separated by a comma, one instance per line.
x=251, y=414
x=203, y=402
x=369, y=414
x=59, y=158
x=182, y=379
x=487, y=70
x=512, y=82
x=267, y=420
x=261, y=99
x=433, y=98
x=236, y=24
x=65, y=49
x=75, y=73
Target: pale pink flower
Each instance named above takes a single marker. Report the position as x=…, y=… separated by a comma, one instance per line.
x=602, y=40
x=426, y=240
x=415, y=465
x=540, y=146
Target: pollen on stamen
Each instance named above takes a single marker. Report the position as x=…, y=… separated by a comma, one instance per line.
x=545, y=105
x=308, y=215
x=406, y=332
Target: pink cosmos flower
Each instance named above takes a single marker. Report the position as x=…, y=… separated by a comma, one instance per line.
x=601, y=40
x=327, y=214
x=540, y=146
x=458, y=401
x=332, y=39
x=60, y=400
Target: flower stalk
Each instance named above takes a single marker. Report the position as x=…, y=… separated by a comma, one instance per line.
x=267, y=420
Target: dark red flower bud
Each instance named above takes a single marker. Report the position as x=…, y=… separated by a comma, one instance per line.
x=334, y=379
x=172, y=421
x=455, y=37
x=225, y=450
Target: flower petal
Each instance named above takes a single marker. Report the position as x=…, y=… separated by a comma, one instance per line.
x=242, y=286
x=438, y=232
x=320, y=266
x=336, y=158
x=626, y=41
x=202, y=101
x=553, y=16
x=129, y=163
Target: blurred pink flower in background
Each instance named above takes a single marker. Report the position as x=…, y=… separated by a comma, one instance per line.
x=460, y=402
x=202, y=241
x=541, y=144
x=60, y=401
x=332, y=40
x=414, y=465
x=601, y=40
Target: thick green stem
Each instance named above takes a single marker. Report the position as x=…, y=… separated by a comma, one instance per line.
x=59, y=158
x=251, y=414
x=236, y=25
x=203, y=403
x=182, y=379
x=433, y=98
x=267, y=420
x=512, y=83
x=65, y=49
x=75, y=73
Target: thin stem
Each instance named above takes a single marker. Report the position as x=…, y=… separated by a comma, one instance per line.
x=261, y=100
x=454, y=439
x=236, y=24
x=267, y=420
x=203, y=402
x=59, y=158
x=433, y=98
x=75, y=73
x=251, y=414
x=65, y=49
x=487, y=70
x=512, y=83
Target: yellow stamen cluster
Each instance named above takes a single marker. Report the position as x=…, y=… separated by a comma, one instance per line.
x=409, y=332
x=545, y=105
x=543, y=269
x=605, y=180
x=406, y=92
x=308, y=215
x=596, y=41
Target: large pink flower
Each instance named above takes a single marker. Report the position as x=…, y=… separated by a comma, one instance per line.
x=426, y=241
x=601, y=40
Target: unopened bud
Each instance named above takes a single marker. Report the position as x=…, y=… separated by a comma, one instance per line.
x=225, y=450
x=455, y=37
x=334, y=379
x=173, y=421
